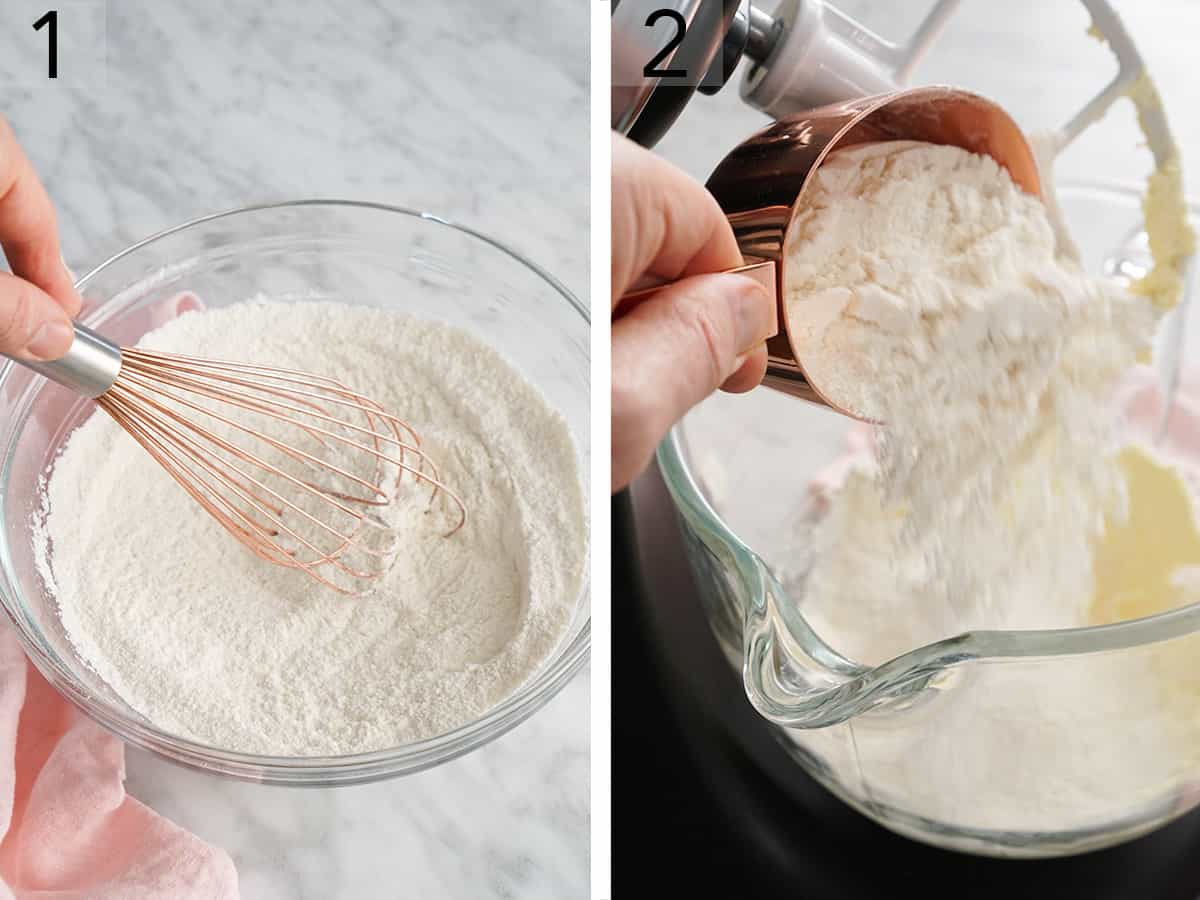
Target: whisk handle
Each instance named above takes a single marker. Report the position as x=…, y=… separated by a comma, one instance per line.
x=90, y=366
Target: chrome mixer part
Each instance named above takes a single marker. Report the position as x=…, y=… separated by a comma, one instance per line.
x=805, y=54
x=1152, y=119
x=823, y=56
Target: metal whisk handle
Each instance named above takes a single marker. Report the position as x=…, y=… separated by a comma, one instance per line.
x=89, y=368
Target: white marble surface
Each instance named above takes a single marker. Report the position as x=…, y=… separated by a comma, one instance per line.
x=476, y=110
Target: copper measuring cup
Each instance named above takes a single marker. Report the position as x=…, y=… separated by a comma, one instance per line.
x=760, y=182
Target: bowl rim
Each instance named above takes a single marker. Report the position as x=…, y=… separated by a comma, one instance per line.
x=312, y=771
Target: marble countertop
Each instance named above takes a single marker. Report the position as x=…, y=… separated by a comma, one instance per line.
x=164, y=111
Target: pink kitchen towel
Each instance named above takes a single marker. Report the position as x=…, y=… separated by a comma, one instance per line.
x=68, y=830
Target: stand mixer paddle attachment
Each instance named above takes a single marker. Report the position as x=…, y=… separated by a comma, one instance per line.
x=811, y=66
x=297, y=467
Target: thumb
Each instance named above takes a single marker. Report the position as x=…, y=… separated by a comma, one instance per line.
x=32, y=325
x=673, y=350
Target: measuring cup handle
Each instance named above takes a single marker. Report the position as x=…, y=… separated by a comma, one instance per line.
x=762, y=272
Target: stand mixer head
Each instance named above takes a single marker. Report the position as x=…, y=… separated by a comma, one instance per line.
x=803, y=55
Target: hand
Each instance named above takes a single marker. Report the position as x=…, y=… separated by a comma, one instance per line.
x=38, y=300
x=703, y=332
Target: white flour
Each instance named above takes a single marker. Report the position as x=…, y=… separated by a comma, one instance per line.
x=207, y=641
x=931, y=293
x=928, y=291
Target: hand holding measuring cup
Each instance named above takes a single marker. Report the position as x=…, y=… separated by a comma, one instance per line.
x=702, y=332
x=37, y=299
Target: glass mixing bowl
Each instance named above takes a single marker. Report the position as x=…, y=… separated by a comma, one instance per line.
x=1105, y=719
x=358, y=252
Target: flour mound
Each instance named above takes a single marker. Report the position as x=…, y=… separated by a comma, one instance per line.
x=927, y=291
x=207, y=641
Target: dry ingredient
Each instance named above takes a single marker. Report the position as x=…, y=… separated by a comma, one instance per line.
x=997, y=496
x=1029, y=747
x=930, y=292
x=206, y=641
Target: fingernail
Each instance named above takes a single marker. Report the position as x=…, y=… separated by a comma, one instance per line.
x=755, y=314
x=740, y=359
x=51, y=341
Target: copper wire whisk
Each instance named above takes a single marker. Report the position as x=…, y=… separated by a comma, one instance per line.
x=296, y=466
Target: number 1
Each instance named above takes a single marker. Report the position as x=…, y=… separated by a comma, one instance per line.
x=51, y=19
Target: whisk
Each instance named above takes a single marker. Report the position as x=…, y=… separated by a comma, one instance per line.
x=297, y=467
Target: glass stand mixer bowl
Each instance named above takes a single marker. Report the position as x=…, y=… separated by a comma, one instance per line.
x=846, y=723
x=898, y=738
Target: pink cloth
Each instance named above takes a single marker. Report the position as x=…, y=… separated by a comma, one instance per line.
x=68, y=830
x=1141, y=401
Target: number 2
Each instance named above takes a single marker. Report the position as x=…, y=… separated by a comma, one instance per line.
x=51, y=19
x=650, y=70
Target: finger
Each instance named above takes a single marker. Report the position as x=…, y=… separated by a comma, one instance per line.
x=29, y=228
x=664, y=223
x=749, y=374
x=672, y=351
x=32, y=325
